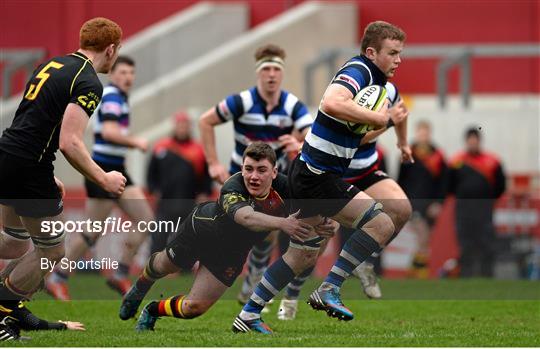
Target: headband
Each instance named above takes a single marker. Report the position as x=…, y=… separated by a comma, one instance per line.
x=275, y=61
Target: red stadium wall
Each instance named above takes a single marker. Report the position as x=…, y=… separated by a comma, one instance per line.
x=54, y=24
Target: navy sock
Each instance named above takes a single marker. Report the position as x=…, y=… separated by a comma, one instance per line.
x=356, y=250
x=294, y=287
x=276, y=277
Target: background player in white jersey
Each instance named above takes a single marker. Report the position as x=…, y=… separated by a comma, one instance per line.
x=112, y=141
x=316, y=182
x=264, y=113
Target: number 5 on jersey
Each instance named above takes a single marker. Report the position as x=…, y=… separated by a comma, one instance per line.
x=42, y=76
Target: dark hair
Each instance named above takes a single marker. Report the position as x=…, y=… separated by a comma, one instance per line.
x=269, y=50
x=123, y=60
x=376, y=32
x=473, y=132
x=259, y=151
x=98, y=33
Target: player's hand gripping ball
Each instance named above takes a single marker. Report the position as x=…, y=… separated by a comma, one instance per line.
x=371, y=97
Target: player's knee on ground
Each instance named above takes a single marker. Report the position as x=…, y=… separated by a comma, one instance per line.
x=195, y=308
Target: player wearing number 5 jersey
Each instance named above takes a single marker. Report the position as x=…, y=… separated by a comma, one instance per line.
x=58, y=100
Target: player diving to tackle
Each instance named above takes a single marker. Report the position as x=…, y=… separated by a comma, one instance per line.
x=220, y=235
x=316, y=183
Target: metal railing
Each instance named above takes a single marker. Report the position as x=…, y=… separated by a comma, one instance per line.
x=449, y=55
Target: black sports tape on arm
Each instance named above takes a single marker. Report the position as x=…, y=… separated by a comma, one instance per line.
x=30, y=322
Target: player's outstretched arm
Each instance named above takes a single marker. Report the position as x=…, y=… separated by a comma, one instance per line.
x=73, y=148
x=207, y=122
x=338, y=102
x=260, y=222
x=26, y=320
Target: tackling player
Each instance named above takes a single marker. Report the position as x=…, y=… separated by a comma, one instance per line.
x=265, y=113
x=219, y=235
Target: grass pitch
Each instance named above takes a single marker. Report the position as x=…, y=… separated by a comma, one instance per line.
x=413, y=313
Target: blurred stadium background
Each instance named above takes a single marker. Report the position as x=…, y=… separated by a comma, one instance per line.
x=465, y=63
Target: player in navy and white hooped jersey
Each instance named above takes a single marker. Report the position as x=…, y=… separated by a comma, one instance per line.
x=252, y=121
x=364, y=173
x=263, y=112
x=315, y=177
x=331, y=145
x=364, y=161
x=112, y=141
x=114, y=107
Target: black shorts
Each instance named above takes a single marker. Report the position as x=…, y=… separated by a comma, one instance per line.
x=318, y=194
x=372, y=176
x=224, y=258
x=29, y=187
x=95, y=191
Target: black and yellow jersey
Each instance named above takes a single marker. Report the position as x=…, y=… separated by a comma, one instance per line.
x=34, y=133
x=217, y=218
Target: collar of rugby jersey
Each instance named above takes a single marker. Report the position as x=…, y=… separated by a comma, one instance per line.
x=125, y=95
x=379, y=78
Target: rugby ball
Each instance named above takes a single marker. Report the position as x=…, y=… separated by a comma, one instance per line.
x=371, y=97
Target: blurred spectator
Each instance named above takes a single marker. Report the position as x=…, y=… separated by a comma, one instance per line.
x=178, y=174
x=424, y=182
x=477, y=179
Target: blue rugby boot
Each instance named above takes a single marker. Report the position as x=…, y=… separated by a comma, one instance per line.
x=330, y=301
x=130, y=303
x=255, y=325
x=146, y=321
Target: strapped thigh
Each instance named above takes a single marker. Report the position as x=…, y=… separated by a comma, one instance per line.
x=49, y=241
x=374, y=210
x=16, y=233
x=312, y=244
